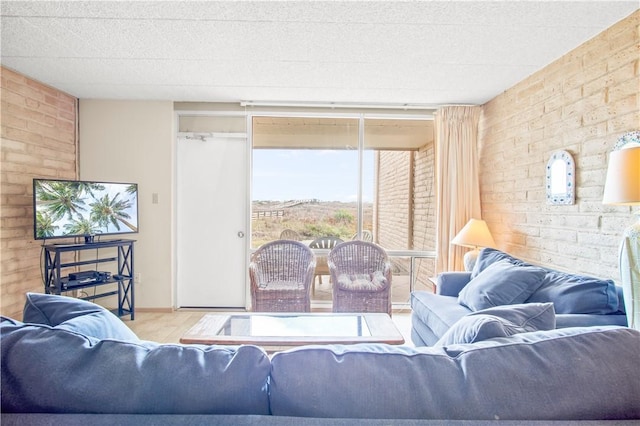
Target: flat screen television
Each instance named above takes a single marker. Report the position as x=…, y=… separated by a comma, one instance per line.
x=72, y=208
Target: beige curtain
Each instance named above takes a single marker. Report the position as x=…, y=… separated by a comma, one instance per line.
x=458, y=188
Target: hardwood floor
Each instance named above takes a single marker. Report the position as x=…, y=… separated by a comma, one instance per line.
x=168, y=327
x=163, y=327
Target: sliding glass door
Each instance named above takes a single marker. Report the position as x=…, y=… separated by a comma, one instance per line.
x=345, y=178
x=306, y=179
x=404, y=218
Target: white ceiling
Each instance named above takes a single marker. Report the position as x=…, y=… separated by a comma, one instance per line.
x=425, y=52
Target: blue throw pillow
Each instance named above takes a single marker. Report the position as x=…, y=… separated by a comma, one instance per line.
x=502, y=321
x=501, y=283
x=538, y=316
x=80, y=316
x=488, y=256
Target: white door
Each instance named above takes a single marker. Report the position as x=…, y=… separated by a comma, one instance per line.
x=211, y=214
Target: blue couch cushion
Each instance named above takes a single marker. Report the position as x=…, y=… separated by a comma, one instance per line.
x=501, y=283
x=577, y=294
x=489, y=256
x=501, y=321
x=587, y=320
x=77, y=315
x=51, y=370
x=437, y=312
x=569, y=293
x=566, y=374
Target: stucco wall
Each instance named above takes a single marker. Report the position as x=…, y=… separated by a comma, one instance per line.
x=133, y=141
x=580, y=103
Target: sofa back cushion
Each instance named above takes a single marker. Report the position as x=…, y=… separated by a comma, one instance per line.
x=577, y=294
x=52, y=370
x=540, y=375
x=570, y=293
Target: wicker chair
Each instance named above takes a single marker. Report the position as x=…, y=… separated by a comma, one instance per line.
x=361, y=277
x=289, y=234
x=321, y=262
x=365, y=236
x=281, y=274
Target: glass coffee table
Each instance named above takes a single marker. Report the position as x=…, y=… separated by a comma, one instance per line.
x=279, y=331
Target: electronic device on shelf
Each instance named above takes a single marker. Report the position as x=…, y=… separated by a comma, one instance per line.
x=81, y=278
x=89, y=209
x=69, y=285
x=83, y=275
x=77, y=276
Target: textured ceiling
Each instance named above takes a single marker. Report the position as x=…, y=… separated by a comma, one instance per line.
x=427, y=53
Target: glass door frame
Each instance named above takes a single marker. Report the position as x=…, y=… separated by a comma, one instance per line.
x=249, y=113
x=361, y=117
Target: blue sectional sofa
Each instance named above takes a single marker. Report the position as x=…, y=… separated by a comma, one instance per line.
x=499, y=279
x=73, y=362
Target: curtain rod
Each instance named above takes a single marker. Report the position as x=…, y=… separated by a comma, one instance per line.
x=354, y=105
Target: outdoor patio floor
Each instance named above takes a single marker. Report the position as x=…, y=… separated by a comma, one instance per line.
x=400, y=291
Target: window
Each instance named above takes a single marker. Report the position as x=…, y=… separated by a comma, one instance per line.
x=306, y=179
x=310, y=179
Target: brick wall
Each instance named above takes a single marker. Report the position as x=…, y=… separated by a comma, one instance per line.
x=424, y=209
x=38, y=140
x=424, y=199
x=405, y=214
x=580, y=103
x=393, y=196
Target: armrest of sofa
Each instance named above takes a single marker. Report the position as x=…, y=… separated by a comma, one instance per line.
x=450, y=283
x=620, y=294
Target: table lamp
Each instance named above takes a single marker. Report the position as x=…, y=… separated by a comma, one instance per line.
x=475, y=234
x=622, y=187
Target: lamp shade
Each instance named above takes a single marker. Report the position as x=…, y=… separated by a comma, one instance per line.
x=623, y=177
x=474, y=234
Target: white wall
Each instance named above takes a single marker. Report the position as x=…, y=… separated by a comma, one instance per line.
x=132, y=141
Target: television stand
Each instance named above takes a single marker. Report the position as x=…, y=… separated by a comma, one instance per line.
x=122, y=281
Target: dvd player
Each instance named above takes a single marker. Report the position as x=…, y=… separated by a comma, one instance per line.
x=77, y=276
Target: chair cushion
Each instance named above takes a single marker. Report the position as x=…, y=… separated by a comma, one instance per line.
x=281, y=286
x=363, y=282
x=501, y=283
x=501, y=321
x=77, y=315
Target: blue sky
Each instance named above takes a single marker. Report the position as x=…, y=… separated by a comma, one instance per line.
x=328, y=175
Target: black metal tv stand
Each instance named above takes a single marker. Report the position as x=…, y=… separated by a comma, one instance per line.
x=55, y=283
